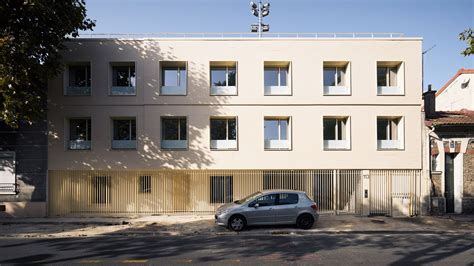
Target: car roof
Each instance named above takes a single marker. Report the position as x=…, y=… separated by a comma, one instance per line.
x=281, y=191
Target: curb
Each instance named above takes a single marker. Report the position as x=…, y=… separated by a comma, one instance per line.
x=66, y=222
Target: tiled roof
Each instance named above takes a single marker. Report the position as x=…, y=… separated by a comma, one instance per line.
x=463, y=117
x=460, y=72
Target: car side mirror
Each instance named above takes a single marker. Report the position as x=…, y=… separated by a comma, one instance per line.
x=256, y=205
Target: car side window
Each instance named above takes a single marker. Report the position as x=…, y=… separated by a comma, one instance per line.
x=288, y=198
x=267, y=200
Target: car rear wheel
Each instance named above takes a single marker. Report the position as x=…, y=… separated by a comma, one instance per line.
x=237, y=223
x=305, y=221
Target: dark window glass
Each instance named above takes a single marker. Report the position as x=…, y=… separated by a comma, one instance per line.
x=221, y=189
x=79, y=76
x=183, y=129
x=170, y=129
x=231, y=77
x=124, y=129
x=267, y=200
x=145, y=184
x=123, y=76
x=382, y=76
x=382, y=127
x=79, y=129
x=218, y=129
x=271, y=76
x=287, y=198
x=101, y=193
x=329, y=128
x=174, y=129
x=232, y=129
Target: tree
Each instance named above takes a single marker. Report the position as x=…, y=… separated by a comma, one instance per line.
x=468, y=36
x=32, y=35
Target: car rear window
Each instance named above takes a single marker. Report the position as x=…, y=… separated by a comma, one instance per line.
x=288, y=198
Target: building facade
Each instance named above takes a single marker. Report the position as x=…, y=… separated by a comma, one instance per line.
x=186, y=124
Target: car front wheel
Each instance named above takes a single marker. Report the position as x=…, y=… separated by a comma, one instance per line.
x=237, y=223
x=305, y=221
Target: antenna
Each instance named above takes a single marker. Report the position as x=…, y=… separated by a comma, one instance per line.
x=260, y=10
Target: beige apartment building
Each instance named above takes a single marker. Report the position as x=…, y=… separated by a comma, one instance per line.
x=145, y=125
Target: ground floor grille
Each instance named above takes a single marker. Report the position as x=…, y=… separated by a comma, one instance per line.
x=114, y=192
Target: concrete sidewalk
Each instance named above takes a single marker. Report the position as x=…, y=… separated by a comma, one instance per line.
x=204, y=224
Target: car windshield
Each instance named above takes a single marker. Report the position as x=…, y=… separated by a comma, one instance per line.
x=251, y=196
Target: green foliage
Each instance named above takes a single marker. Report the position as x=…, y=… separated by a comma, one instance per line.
x=32, y=33
x=468, y=36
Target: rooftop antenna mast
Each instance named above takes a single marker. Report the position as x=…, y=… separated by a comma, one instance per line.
x=260, y=10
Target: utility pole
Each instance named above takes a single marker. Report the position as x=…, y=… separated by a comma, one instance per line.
x=260, y=10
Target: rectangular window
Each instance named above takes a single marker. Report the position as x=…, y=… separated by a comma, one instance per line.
x=123, y=76
x=80, y=134
x=101, y=192
x=223, y=133
x=334, y=128
x=124, y=133
x=276, y=133
x=276, y=128
x=390, y=76
x=221, y=189
x=174, y=76
x=223, y=76
x=144, y=184
x=174, y=133
x=334, y=76
x=275, y=76
x=387, y=129
x=80, y=75
x=287, y=198
x=123, y=79
x=390, y=133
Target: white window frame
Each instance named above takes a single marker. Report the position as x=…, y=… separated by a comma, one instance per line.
x=389, y=143
x=178, y=144
x=227, y=144
x=180, y=89
x=338, y=144
x=279, y=89
x=223, y=90
x=279, y=143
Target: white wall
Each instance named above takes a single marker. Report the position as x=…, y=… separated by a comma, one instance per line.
x=455, y=98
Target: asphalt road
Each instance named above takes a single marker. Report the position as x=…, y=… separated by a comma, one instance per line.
x=330, y=249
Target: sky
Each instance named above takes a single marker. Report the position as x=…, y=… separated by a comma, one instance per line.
x=438, y=22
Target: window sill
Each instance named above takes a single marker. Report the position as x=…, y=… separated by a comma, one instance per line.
x=223, y=90
x=336, y=145
x=277, y=145
x=277, y=90
x=389, y=91
x=124, y=144
x=223, y=144
x=336, y=90
x=172, y=90
x=75, y=145
x=77, y=91
x=174, y=144
x=389, y=145
x=123, y=91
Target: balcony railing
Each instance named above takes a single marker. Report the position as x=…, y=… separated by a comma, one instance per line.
x=336, y=144
x=173, y=90
x=174, y=144
x=78, y=91
x=223, y=90
x=123, y=90
x=277, y=90
x=224, y=144
x=79, y=144
x=389, y=90
x=336, y=90
x=273, y=144
x=389, y=144
x=124, y=144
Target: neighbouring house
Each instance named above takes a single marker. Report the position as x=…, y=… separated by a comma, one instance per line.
x=23, y=170
x=185, y=124
x=450, y=133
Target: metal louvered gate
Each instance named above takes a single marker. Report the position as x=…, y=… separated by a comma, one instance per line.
x=164, y=191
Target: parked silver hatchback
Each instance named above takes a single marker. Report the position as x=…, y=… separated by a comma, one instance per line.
x=269, y=207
